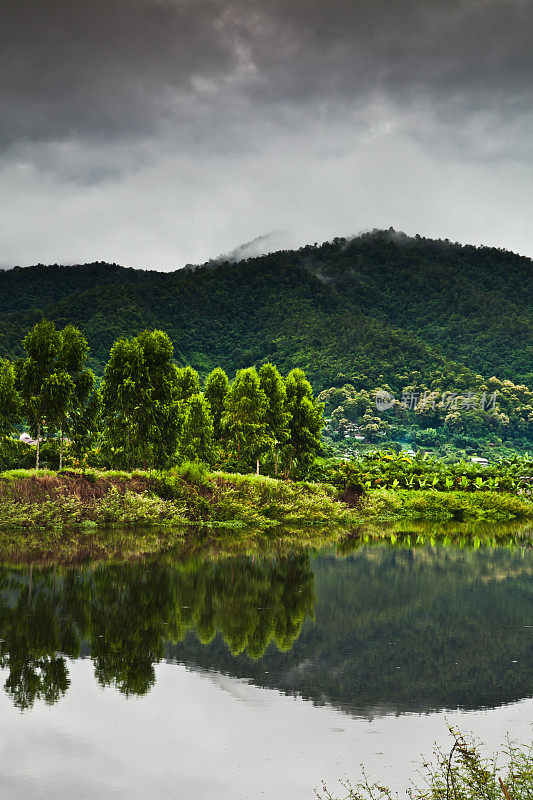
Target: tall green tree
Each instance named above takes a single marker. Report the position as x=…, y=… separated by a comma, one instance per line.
x=9, y=398
x=121, y=395
x=140, y=397
x=306, y=420
x=244, y=420
x=73, y=355
x=45, y=386
x=216, y=390
x=197, y=432
x=277, y=416
x=84, y=421
x=187, y=383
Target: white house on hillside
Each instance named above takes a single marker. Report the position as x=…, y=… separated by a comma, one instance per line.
x=25, y=438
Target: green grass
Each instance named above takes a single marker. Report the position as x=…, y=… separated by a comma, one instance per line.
x=180, y=497
x=459, y=506
x=19, y=474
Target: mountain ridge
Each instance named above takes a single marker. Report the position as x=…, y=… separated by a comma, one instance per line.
x=381, y=305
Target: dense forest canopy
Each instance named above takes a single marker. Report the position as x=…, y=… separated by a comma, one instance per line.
x=379, y=307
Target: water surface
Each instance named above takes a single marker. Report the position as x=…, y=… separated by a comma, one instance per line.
x=257, y=676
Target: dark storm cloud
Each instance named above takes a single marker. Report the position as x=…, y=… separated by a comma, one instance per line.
x=127, y=67
x=160, y=132
x=104, y=66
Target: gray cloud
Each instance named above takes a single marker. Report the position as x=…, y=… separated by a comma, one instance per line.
x=126, y=67
x=218, y=115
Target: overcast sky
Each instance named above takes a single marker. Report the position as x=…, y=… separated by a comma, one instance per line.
x=159, y=132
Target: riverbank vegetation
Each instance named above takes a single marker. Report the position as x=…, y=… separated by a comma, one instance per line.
x=458, y=506
x=191, y=495
x=390, y=470
x=186, y=496
x=74, y=517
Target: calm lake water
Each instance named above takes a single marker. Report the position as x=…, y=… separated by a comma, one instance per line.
x=257, y=677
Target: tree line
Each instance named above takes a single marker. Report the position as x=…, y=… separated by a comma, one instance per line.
x=149, y=413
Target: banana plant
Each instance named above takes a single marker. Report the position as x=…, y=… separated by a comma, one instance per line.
x=464, y=483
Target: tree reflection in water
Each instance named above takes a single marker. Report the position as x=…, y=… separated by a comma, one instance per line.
x=127, y=612
x=402, y=629
x=396, y=629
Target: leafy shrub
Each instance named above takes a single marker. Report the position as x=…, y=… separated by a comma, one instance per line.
x=193, y=472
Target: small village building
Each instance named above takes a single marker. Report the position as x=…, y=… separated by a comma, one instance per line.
x=25, y=438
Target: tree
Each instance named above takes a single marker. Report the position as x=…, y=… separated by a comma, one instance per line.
x=58, y=392
x=277, y=416
x=373, y=427
x=244, y=418
x=84, y=422
x=140, y=397
x=72, y=357
x=121, y=395
x=197, y=432
x=306, y=419
x=9, y=398
x=216, y=389
x=187, y=383
x=45, y=386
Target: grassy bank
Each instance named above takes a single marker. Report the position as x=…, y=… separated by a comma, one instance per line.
x=189, y=496
x=192, y=496
x=385, y=504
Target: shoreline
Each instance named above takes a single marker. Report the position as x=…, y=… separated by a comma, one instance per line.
x=80, y=516
x=71, y=498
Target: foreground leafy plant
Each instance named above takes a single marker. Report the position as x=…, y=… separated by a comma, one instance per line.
x=462, y=774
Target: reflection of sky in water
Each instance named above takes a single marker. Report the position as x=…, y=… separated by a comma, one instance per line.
x=211, y=736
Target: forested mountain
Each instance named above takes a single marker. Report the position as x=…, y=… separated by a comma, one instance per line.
x=378, y=309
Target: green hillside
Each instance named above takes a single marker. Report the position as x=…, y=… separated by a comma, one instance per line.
x=380, y=309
